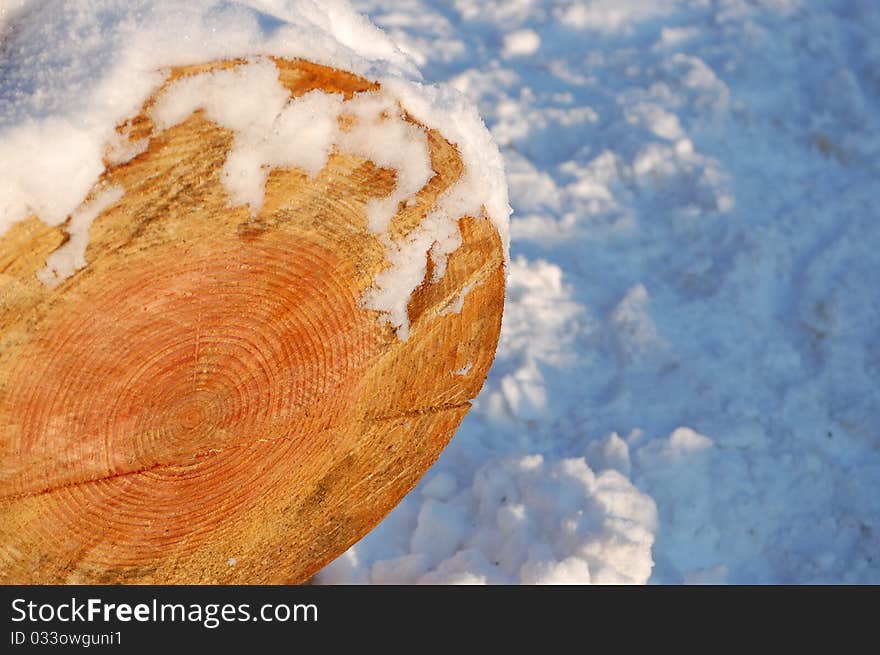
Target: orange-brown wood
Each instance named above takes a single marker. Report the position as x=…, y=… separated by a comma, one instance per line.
x=206, y=401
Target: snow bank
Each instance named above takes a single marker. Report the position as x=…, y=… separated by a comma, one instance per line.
x=518, y=520
x=73, y=71
x=692, y=294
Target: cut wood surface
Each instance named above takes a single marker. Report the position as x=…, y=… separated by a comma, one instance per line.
x=207, y=401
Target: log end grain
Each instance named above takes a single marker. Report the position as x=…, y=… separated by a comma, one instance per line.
x=207, y=401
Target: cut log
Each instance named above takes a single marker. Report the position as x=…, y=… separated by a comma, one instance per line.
x=208, y=400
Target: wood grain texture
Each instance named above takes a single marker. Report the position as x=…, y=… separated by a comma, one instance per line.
x=208, y=386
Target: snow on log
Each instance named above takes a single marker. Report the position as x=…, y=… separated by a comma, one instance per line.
x=253, y=334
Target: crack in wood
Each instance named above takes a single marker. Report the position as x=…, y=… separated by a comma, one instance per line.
x=6, y=500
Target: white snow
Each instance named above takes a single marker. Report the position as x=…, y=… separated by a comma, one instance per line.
x=271, y=130
x=457, y=303
x=381, y=135
x=464, y=370
x=519, y=520
x=71, y=256
x=521, y=42
x=692, y=300
x=73, y=71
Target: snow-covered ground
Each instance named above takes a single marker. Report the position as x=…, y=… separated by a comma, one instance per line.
x=686, y=388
